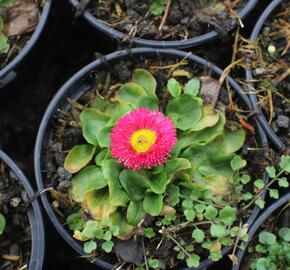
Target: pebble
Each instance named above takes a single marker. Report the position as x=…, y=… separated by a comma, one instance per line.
x=283, y=121
x=63, y=174
x=14, y=202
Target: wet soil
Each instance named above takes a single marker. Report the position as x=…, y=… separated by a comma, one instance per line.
x=15, y=242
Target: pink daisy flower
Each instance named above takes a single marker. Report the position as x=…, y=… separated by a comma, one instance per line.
x=142, y=139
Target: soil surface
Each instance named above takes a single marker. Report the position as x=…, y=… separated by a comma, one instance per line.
x=180, y=20
x=66, y=45
x=15, y=242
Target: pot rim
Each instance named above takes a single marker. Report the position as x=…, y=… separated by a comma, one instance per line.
x=174, y=44
x=278, y=144
x=11, y=66
x=34, y=216
x=257, y=224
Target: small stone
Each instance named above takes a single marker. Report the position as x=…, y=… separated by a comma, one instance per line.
x=14, y=202
x=63, y=174
x=283, y=121
x=64, y=186
x=271, y=49
x=274, y=126
x=259, y=71
x=185, y=20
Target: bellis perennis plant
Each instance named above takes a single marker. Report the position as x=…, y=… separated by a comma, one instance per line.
x=161, y=173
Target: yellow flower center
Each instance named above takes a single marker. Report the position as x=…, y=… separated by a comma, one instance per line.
x=142, y=140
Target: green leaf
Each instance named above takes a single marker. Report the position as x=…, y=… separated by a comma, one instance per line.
x=153, y=203
x=200, y=207
x=187, y=204
x=267, y=238
x=173, y=193
x=114, y=230
x=158, y=183
x=283, y=182
x=107, y=236
x=104, y=136
x=92, y=122
x=210, y=212
x=193, y=260
x=131, y=92
x=245, y=179
x=285, y=163
x=189, y=215
x=172, y=166
x=147, y=102
x=218, y=184
x=97, y=204
x=89, y=178
x=78, y=157
x=75, y=221
x=111, y=170
x=260, y=202
x=259, y=184
x=90, y=246
x=271, y=171
x=237, y=163
x=135, y=212
x=134, y=183
x=5, y=3
x=149, y=233
x=225, y=145
x=2, y=223
x=228, y=215
x=153, y=263
x=92, y=230
x=4, y=45
x=108, y=246
x=146, y=80
x=101, y=156
x=125, y=230
x=174, y=87
x=285, y=234
x=218, y=231
x=192, y=87
x=209, y=118
x=273, y=193
x=198, y=235
x=188, y=109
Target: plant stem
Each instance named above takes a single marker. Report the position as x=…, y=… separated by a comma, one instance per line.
x=165, y=15
x=184, y=225
x=260, y=192
x=178, y=244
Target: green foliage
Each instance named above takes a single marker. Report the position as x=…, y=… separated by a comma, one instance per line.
x=158, y=7
x=271, y=252
x=199, y=186
x=2, y=223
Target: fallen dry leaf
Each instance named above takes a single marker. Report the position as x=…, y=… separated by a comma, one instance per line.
x=210, y=89
x=21, y=18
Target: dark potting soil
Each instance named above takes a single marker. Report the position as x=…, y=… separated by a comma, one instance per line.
x=32, y=11
x=273, y=73
x=15, y=242
x=67, y=133
x=185, y=18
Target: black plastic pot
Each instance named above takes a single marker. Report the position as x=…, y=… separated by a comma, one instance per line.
x=258, y=223
x=34, y=216
x=9, y=73
x=178, y=44
x=249, y=77
x=76, y=87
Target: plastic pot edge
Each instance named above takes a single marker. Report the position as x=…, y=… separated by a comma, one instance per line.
x=8, y=73
x=34, y=215
x=257, y=224
x=182, y=44
x=249, y=78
